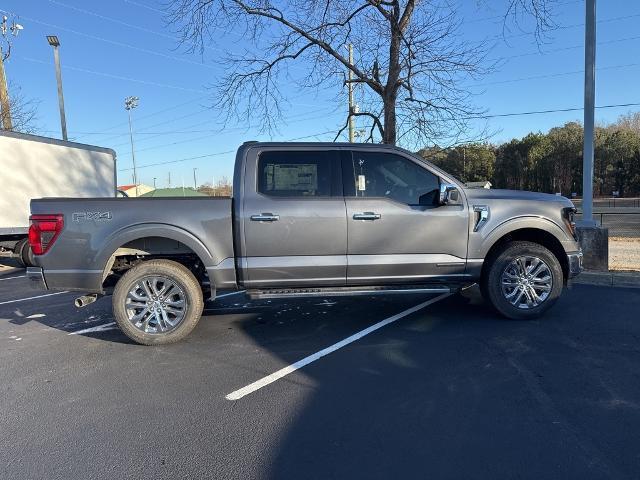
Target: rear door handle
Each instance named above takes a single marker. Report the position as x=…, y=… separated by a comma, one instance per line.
x=366, y=216
x=265, y=217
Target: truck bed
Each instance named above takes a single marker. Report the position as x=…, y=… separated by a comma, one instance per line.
x=95, y=228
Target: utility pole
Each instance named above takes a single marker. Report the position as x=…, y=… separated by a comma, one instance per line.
x=351, y=104
x=5, y=107
x=169, y=179
x=195, y=183
x=464, y=164
x=129, y=104
x=5, y=102
x=154, y=183
x=55, y=43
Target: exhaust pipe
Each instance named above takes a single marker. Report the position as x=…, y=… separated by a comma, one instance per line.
x=85, y=300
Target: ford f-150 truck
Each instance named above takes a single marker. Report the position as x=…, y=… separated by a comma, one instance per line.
x=306, y=219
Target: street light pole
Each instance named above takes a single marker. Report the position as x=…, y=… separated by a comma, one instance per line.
x=129, y=104
x=195, y=183
x=589, y=111
x=55, y=43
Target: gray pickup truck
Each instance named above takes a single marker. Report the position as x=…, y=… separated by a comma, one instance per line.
x=306, y=219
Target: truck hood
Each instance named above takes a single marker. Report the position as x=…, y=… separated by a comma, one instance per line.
x=485, y=194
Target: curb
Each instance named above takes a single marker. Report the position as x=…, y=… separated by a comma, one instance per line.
x=608, y=279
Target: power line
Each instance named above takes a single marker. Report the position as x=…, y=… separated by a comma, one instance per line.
x=550, y=75
x=202, y=137
x=119, y=77
x=125, y=24
x=556, y=110
x=117, y=43
x=573, y=47
x=217, y=153
x=496, y=17
x=152, y=114
x=138, y=4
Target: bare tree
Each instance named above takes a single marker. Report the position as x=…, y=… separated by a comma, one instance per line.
x=540, y=12
x=22, y=111
x=410, y=68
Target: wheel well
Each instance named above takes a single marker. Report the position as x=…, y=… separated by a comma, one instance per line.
x=153, y=248
x=534, y=235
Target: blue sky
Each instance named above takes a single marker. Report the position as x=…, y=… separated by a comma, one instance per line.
x=113, y=49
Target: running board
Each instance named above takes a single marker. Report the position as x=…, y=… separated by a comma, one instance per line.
x=256, y=294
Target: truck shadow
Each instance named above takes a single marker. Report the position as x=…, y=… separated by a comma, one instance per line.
x=455, y=391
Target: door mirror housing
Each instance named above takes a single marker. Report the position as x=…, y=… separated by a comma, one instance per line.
x=448, y=194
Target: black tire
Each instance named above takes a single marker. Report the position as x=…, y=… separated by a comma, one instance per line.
x=188, y=289
x=18, y=250
x=26, y=255
x=492, y=281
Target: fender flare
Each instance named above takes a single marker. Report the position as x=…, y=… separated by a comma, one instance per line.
x=529, y=222
x=136, y=232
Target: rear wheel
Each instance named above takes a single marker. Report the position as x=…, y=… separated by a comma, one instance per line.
x=523, y=281
x=157, y=302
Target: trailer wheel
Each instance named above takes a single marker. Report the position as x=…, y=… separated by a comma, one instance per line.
x=22, y=250
x=157, y=302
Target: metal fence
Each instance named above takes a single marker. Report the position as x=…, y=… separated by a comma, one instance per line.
x=610, y=202
x=619, y=222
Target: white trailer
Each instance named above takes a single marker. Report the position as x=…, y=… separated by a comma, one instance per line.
x=37, y=167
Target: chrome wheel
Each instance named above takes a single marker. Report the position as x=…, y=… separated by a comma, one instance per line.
x=155, y=304
x=526, y=282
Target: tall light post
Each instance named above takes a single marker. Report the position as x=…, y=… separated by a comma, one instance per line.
x=589, y=112
x=593, y=238
x=195, y=183
x=55, y=43
x=129, y=104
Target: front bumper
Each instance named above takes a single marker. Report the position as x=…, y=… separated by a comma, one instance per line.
x=575, y=263
x=36, y=278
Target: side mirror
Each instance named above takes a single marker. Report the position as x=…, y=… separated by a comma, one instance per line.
x=448, y=194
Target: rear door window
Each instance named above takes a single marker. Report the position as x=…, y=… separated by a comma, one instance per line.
x=298, y=173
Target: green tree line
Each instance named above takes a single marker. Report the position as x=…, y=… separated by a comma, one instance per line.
x=551, y=162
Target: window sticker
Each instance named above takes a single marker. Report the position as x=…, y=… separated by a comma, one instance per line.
x=362, y=183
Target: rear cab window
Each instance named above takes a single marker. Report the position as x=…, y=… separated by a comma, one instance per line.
x=306, y=174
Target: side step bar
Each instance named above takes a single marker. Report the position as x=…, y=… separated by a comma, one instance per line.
x=345, y=291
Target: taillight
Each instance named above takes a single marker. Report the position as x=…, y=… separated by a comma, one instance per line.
x=44, y=230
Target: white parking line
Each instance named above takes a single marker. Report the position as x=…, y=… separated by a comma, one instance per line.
x=32, y=298
x=13, y=278
x=99, y=328
x=263, y=382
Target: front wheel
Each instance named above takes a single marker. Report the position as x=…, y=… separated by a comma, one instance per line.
x=157, y=302
x=523, y=281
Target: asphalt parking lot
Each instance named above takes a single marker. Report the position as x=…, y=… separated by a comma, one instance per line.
x=448, y=391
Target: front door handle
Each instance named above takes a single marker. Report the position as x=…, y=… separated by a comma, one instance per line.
x=366, y=216
x=265, y=217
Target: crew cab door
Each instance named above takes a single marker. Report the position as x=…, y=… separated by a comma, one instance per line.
x=293, y=219
x=397, y=230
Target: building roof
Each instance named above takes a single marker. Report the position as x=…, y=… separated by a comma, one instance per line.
x=174, y=192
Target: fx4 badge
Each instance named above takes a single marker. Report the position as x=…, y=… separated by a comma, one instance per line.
x=95, y=216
